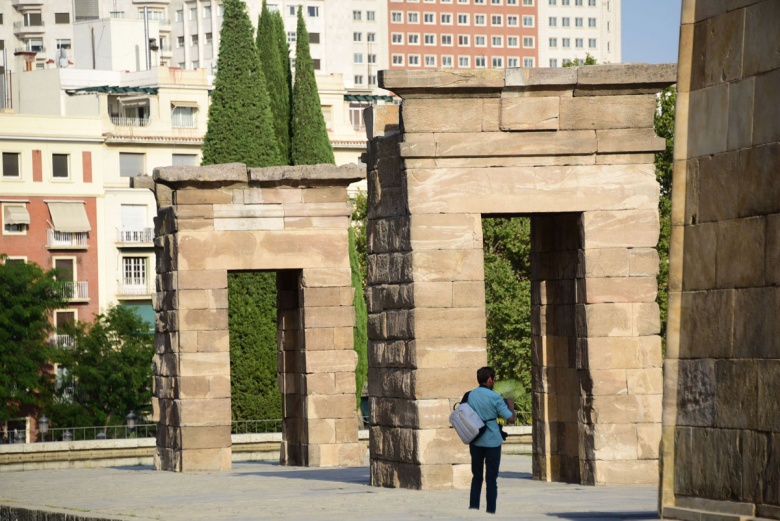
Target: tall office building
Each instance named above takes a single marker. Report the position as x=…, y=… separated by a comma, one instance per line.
x=571, y=29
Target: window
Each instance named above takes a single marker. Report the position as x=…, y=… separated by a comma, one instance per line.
x=497, y=62
x=528, y=62
x=552, y=2
x=183, y=115
x=370, y=16
x=313, y=11
x=131, y=164
x=32, y=20
x=446, y=40
x=496, y=20
x=180, y=15
x=357, y=57
x=565, y=43
x=552, y=21
x=564, y=2
x=430, y=39
x=463, y=19
x=413, y=18
x=528, y=21
x=512, y=21
x=358, y=79
x=16, y=219
x=414, y=60
x=397, y=38
x=314, y=37
x=578, y=43
x=134, y=275
x=59, y=166
x=413, y=39
x=463, y=40
x=553, y=62
x=430, y=60
x=591, y=22
x=578, y=22
x=527, y=3
x=207, y=11
x=480, y=19
x=357, y=37
x=179, y=42
x=591, y=3
x=592, y=43
x=398, y=59
x=479, y=62
x=512, y=62
x=370, y=37
x=446, y=61
x=181, y=160
x=11, y=165
x=291, y=10
x=194, y=39
x=553, y=42
x=464, y=62
x=512, y=41
x=356, y=15
x=578, y=3
x=63, y=44
x=565, y=21
x=495, y=2
x=208, y=38
x=497, y=41
x=429, y=18
x=528, y=42
x=480, y=40
x=446, y=19
x=194, y=13
x=291, y=36
x=60, y=18
x=316, y=64
x=34, y=44
x=396, y=17
x=372, y=79
x=371, y=58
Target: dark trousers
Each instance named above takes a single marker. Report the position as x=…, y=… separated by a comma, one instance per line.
x=484, y=458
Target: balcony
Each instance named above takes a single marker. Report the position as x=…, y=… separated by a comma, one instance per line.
x=130, y=122
x=62, y=341
x=31, y=48
x=73, y=291
x=130, y=288
x=183, y=120
x=22, y=29
x=22, y=5
x=142, y=238
x=66, y=240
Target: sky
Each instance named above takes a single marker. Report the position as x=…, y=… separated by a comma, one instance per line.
x=651, y=30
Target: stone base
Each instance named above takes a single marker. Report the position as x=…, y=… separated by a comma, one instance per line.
x=395, y=474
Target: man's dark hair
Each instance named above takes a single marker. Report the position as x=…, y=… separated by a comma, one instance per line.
x=485, y=373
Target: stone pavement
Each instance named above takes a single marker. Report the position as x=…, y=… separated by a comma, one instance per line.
x=268, y=491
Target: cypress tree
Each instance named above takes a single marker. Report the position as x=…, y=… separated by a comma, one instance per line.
x=360, y=331
x=284, y=60
x=310, y=143
x=240, y=125
x=276, y=80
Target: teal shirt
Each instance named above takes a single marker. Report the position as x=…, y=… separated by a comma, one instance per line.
x=489, y=405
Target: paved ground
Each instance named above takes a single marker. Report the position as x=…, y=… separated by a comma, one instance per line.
x=269, y=491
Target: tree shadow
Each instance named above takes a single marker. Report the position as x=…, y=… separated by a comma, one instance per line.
x=351, y=475
x=596, y=516
x=516, y=475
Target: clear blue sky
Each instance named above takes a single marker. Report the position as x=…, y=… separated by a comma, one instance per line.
x=651, y=30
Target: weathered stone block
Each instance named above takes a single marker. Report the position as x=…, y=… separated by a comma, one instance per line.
x=276, y=195
x=327, y=277
x=607, y=382
x=614, y=442
x=203, y=412
x=446, y=231
x=611, y=229
x=628, y=140
x=449, y=322
x=334, y=316
x=433, y=294
x=203, y=319
x=594, y=320
x=740, y=252
x=648, y=440
x=755, y=322
x=648, y=380
x=442, y=115
x=199, y=460
x=204, y=364
x=330, y=361
x=202, y=279
x=643, y=262
x=611, y=112
x=330, y=406
x=540, y=113
x=696, y=392
x=638, y=472
x=643, y=408
x=741, y=103
x=446, y=144
x=708, y=114
x=616, y=289
x=445, y=265
x=604, y=262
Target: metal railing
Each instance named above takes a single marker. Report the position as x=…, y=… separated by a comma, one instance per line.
x=73, y=290
x=28, y=26
x=135, y=236
x=55, y=239
x=63, y=341
x=130, y=122
x=134, y=286
x=256, y=426
x=31, y=49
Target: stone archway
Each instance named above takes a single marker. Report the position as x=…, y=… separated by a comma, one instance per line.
x=293, y=220
x=573, y=148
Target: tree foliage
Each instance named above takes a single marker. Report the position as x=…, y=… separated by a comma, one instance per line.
x=310, y=142
x=108, y=371
x=360, y=331
x=27, y=297
x=359, y=218
x=253, y=346
x=576, y=62
x=664, y=127
x=507, y=249
x=241, y=124
x=276, y=76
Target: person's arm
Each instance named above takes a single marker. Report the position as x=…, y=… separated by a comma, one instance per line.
x=504, y=410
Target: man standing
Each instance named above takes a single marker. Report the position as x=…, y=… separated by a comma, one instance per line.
x=486, y=448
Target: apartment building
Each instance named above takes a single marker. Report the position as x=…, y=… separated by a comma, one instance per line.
x=572, y=29
x=462, y=34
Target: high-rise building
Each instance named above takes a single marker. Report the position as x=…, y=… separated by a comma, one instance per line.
x=571, y=29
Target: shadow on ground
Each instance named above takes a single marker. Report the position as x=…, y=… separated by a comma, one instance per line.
x=596, y=516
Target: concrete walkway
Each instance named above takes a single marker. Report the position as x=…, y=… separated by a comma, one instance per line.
x=269, y=491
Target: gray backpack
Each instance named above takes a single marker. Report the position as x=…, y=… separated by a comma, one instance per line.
x=466, y=421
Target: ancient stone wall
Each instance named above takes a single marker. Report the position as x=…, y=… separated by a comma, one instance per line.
x=721, y=438
x=293, y=220
x=573, y=148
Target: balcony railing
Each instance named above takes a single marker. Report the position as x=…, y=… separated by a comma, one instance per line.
x=33, y=48
x=145, y=235
x=57, y=239
x=28, y=27
x=63, y=341
x=134, y=287
x=73, y=290
x=130, y=122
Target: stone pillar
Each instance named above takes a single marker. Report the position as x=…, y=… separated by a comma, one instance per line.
x=573, y=149
x=292, y=220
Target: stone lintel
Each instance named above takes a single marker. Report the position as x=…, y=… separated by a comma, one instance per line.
x=307, y=175
x=592, y=80
x=177, y=176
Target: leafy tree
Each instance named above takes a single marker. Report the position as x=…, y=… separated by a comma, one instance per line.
x=507, y=248
x=664, y=127
x=284, y=60
x=27, y=297
x=360, y=331
x=576, y=62
x=359, y=216
x=109, y=370
x=310, y=143
x=270, y=54
x=241, y=127
x=253, y=346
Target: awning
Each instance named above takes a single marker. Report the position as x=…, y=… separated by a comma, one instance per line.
x=134, y=101
x=193, y=104
x=69, y=217
x=16, y=215
x=366, y=97
x=107, y=89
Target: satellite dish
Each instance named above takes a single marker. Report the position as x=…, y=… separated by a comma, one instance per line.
x=62, y=58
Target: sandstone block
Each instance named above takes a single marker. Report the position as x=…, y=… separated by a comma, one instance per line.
x=204, y=364
x=617, y=289
x=331, y=194
x=330, y=406
x=648, y=440
x=755, y=324
x=758, y=57
x=638, y=472
x=202, y=279
x=740, y=252
x=249, y=224
x=449, y=323
x=758, y=193
x=607, y=382
x=643, y=262
x=323, y=297
x=442, y=115
x=610, y=112
x=768, y=419
x=276, y=195
x=199, y=460
x=628, y=140
x=594, y=320
x=247, y=211
x=695, y=392
x=203, y=319
x=604, y=262
x=624, y=159
x=736, y=394
x=194, y=211
x=629, y=228
x=203, y=412
x=438, y=446
x=330, y=361
x=321, y=431
x=326, y=277
x=741, y=103
x=205, y=437
x=645, y=381
x=708, y=114
x=708, y=316
x=334, y=316
x=643, y=408
x=446, y=265
x=611, y=353
x=614, y=442
x=433, y=294
x=540, y=113
x=468, y=294
x=446, y=231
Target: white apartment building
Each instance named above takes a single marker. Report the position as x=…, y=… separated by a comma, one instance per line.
x=571, y=29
